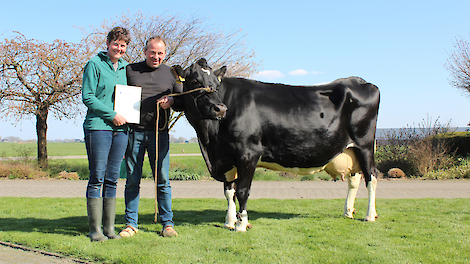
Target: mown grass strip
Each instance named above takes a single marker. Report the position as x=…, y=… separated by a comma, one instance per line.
x=284, y=231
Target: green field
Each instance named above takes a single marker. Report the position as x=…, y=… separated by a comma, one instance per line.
x=181, y=167
x=284, y=231
x=8, y=149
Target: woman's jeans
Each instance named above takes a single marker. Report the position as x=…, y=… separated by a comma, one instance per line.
x=139, y=141
x=105, y=151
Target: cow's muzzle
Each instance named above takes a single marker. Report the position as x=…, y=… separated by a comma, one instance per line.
x=220, y=111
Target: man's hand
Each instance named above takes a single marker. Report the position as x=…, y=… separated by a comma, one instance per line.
x=166, y=102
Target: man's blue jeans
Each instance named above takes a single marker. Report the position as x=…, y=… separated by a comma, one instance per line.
x=105, y=150
x=139, y=141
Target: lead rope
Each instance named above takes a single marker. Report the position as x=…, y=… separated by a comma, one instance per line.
x=207, y=89
x=156, y=162
x=157, y=129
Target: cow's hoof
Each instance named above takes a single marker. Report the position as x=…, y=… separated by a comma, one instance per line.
x=240, y=229
x=350, y=216
x=229, y=226
x=370, y=218
x=243, y=228
x=349, y=213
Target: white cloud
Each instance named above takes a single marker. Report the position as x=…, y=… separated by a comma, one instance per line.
x=268, y=75
x=298, y=72
x=274, y=74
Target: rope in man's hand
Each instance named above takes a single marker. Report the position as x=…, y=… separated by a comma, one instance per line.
x=166, y=103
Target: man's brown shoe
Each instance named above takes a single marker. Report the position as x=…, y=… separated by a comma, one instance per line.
x=169, y=231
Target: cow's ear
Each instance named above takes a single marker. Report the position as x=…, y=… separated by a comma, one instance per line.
x=178, y=72
x=220, y=72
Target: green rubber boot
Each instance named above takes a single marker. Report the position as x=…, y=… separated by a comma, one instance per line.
x=109, y=216
x=95, y=216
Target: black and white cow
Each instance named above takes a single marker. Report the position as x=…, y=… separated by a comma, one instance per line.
x=242, y=124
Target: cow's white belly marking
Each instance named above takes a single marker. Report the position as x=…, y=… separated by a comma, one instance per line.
x=344, y=163
x=232, y=174
x=295, y=170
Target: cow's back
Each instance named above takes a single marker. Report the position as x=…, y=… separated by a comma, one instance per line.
x=294, y=126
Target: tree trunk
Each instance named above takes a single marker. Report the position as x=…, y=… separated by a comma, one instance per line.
x=41, y=130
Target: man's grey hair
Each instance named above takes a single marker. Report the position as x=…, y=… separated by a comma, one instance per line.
x=157, y=38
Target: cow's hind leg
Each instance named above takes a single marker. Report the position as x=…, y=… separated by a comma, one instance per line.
x=366, y=159
x=371, y=212
x=231, y=217
x=353, y=185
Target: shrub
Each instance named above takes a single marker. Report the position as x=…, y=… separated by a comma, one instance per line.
x=460, y=171
x=322, y=175
x=17, y=170
x=24, y=152
x=459, y=142
x=68, y=176
x=416, y=150
x=181, y=175
x=78, y=166
x=389, y=156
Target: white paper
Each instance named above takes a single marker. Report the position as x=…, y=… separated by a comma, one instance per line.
x=127, y=102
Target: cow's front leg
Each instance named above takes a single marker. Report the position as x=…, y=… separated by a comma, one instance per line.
x=353, y=186
x=242, y=192
x=371, y=212
x=242, y=216
x=242, y=221
x=231, y=217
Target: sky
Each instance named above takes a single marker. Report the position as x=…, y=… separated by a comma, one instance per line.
x=400, y=46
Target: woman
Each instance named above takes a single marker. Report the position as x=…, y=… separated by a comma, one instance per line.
x=105, y=133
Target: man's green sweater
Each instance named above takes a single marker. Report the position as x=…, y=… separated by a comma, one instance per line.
x=99, y=81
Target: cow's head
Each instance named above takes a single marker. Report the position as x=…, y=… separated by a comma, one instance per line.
x=201, y=83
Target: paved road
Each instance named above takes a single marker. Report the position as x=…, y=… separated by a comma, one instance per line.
x=212, y=189
x=269, y=189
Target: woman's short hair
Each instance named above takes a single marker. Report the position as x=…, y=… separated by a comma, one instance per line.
x=119, y=33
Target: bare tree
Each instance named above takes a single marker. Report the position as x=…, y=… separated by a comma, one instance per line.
x=38, y=78
x=187, y=40
x=458, y=65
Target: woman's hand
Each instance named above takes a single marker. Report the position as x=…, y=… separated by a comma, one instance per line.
x=119, y=120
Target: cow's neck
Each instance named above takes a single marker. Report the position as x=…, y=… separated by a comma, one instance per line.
x=207, y=135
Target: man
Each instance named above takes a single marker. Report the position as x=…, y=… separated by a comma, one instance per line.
x=156, y=80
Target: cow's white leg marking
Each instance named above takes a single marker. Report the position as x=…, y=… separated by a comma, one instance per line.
x=242, y=222
x=371, y=213
x=353, y=186
x=231, y=216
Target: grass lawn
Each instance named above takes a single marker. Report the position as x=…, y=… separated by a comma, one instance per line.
x=10, y=149
x=284, y=231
